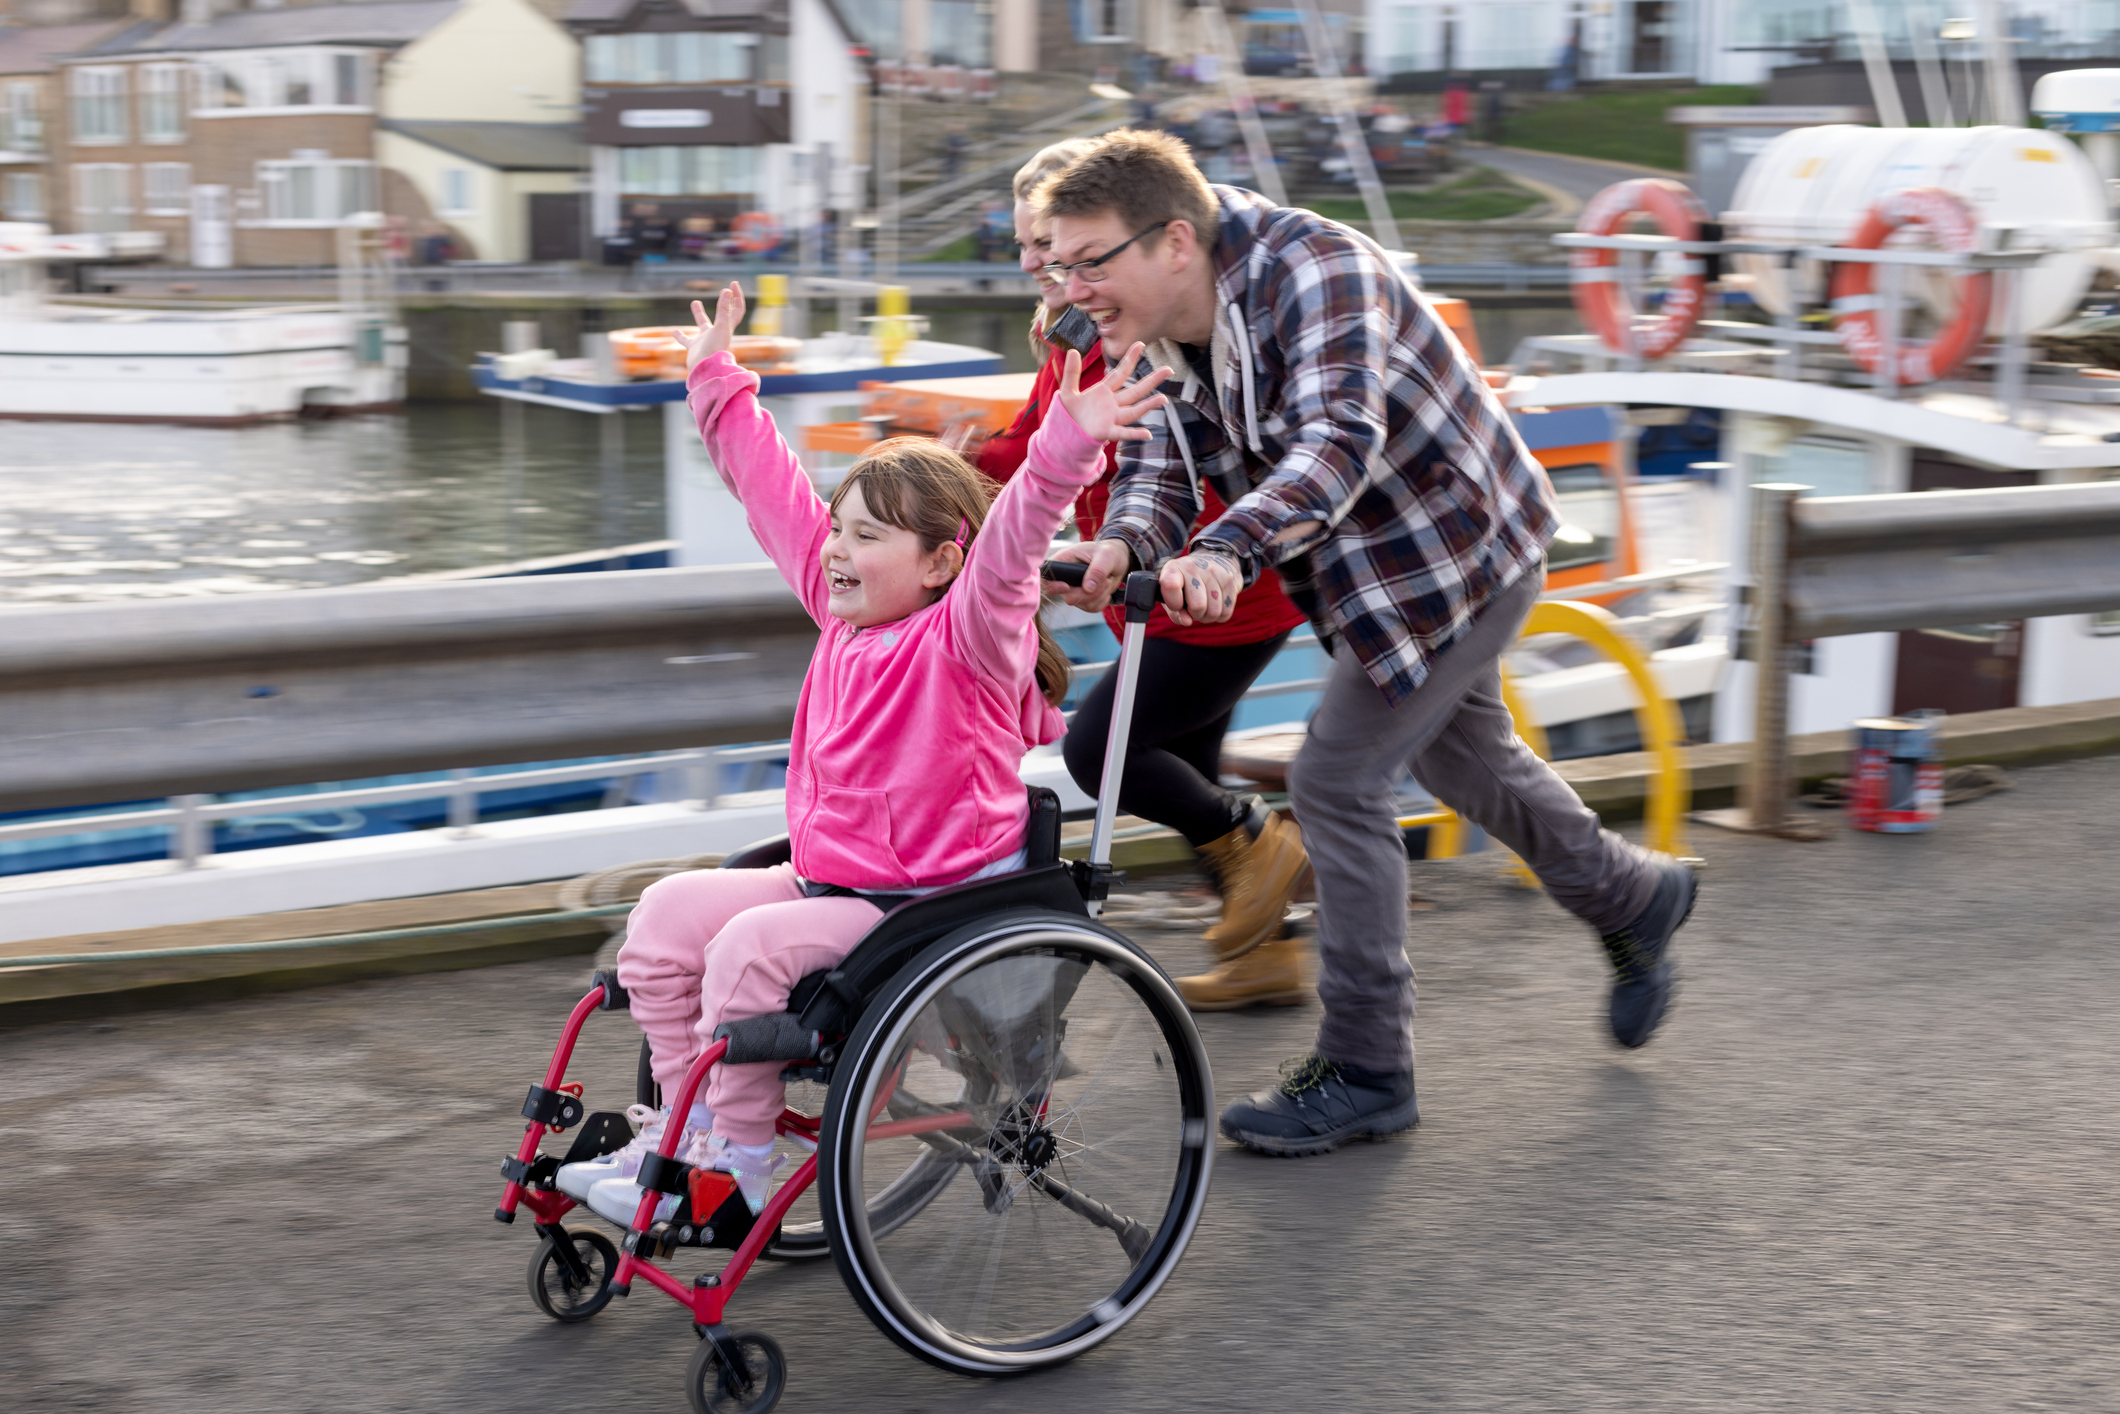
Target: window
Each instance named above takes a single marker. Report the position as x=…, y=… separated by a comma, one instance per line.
x=162, y=102
x=22, y=198
x=670, y=58
x=688, y=171
x=165, y=188
x=103, y=196
x=283, y=78
x=99, y=104
x=346, y=80
x=1589, y=510
x=21, y=121
x=315, y=191
x=456, y=191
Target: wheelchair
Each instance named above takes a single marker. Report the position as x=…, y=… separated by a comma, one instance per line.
x=1002, y=1106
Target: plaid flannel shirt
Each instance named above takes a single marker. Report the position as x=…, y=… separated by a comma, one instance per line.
x=1362, y=414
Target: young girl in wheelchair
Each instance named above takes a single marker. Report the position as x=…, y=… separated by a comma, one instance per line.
x=932, y=677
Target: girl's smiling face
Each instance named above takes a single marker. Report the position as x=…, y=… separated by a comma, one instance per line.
x=877, y=573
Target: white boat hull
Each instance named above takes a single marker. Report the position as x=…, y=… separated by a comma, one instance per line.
x=209, y=367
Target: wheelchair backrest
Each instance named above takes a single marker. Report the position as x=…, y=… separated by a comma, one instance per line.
x=1041, y=839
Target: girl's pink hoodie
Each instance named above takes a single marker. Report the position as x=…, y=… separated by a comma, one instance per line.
x=902, y=770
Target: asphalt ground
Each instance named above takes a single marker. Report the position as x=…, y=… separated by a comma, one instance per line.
x=1869, y=1164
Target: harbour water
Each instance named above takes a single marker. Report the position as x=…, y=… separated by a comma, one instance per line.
x=107, y=512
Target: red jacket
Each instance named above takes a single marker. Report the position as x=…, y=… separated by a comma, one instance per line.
x=1263, y=610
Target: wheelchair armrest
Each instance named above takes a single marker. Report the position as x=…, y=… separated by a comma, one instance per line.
x=777, y=1036
x=762, y=854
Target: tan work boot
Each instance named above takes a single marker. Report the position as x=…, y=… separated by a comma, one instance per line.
x=1257, y=877
x=1271, y=974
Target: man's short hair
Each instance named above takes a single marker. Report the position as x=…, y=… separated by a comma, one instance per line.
x=1142, y=177
x=1056, y=158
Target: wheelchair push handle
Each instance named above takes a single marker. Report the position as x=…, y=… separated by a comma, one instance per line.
x=1139, y=597
x=1142, y=591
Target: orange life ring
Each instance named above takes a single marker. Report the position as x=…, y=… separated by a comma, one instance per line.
x=1956, y=228
x=654, y=352
x=755, y=232
x=1594, y=274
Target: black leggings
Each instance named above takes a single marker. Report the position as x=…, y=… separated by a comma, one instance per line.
x=1182, y=706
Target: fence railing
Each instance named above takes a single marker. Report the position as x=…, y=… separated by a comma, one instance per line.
x=1828, y=566
x=105, y=703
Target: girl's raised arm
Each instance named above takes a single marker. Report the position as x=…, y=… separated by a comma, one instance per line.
x=751, y=457
x=992, y=609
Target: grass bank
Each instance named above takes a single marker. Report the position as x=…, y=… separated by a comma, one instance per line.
x=1617, y=126
x=1481, y=194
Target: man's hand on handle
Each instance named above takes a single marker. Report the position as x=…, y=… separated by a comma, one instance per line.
x=1108, y=562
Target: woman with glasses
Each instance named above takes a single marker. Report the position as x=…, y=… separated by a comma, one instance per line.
x=1191, y=680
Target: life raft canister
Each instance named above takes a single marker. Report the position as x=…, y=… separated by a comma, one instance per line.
x=1954, y=226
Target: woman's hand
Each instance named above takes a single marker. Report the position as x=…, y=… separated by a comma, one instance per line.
x=1108, y=409
x=709, y=339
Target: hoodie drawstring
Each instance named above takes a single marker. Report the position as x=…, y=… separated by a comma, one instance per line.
x=1242, y=337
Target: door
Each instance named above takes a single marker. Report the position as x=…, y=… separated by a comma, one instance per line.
x=211, y=248
x=556, y=225
x=1650, y=52
x=1966, y=667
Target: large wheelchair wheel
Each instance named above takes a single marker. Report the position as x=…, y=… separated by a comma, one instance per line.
x=1054, y=1063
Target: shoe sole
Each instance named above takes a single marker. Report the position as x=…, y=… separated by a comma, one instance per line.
x=1670, y=991
x=1296, y=998
x=1396, y=1120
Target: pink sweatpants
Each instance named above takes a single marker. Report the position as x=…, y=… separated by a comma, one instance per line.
x=718, y=944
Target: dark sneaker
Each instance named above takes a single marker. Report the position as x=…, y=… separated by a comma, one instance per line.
x=1318, y=1104
x=1641, y=963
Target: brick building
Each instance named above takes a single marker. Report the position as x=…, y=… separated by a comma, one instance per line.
x=29, y=103
x=249, y=138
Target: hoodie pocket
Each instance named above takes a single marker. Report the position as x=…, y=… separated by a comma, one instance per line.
x=846, y=831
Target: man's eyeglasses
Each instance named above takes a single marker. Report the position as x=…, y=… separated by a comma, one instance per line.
x=1092, y=270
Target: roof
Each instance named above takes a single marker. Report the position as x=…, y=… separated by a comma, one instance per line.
x=382, y=23
x=610, y=12
x=506, y=147
x=32, y=49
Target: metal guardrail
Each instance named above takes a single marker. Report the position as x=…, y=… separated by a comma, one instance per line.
x=180, y=700
x=1828, y=566
x=119, y=702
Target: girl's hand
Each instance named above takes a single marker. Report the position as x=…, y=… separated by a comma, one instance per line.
x=1107, y=410
x=709, y=339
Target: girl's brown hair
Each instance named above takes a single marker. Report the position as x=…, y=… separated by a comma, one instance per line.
x=917, y=484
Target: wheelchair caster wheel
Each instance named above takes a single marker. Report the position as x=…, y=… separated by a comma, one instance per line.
x=742, y=1372
x=573, y=1292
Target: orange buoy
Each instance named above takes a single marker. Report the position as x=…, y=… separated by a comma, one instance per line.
x=755, y=232
x=1594, y=274
x=1953, y=226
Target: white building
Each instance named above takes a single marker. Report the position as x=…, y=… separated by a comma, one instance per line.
x=1707, y=41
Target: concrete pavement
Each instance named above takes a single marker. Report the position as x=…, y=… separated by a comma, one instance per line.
x=1576, y=178
x=1868, y=1165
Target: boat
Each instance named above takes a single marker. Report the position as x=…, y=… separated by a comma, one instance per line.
x=84, y=360
x=1814, y=381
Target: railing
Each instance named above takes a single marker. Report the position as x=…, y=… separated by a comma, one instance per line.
x=383, y=662
x=1828, y=566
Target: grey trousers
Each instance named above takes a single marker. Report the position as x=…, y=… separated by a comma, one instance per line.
x=1462, y=746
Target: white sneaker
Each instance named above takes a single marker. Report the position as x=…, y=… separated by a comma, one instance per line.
x=617, y=1196
x=575, y=1180
x=753, y=1168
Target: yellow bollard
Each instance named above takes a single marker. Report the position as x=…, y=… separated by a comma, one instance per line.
x=1661, y=731
x=771, y=313
x=893, y=330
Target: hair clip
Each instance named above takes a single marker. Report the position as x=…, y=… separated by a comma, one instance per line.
x=964, y=531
